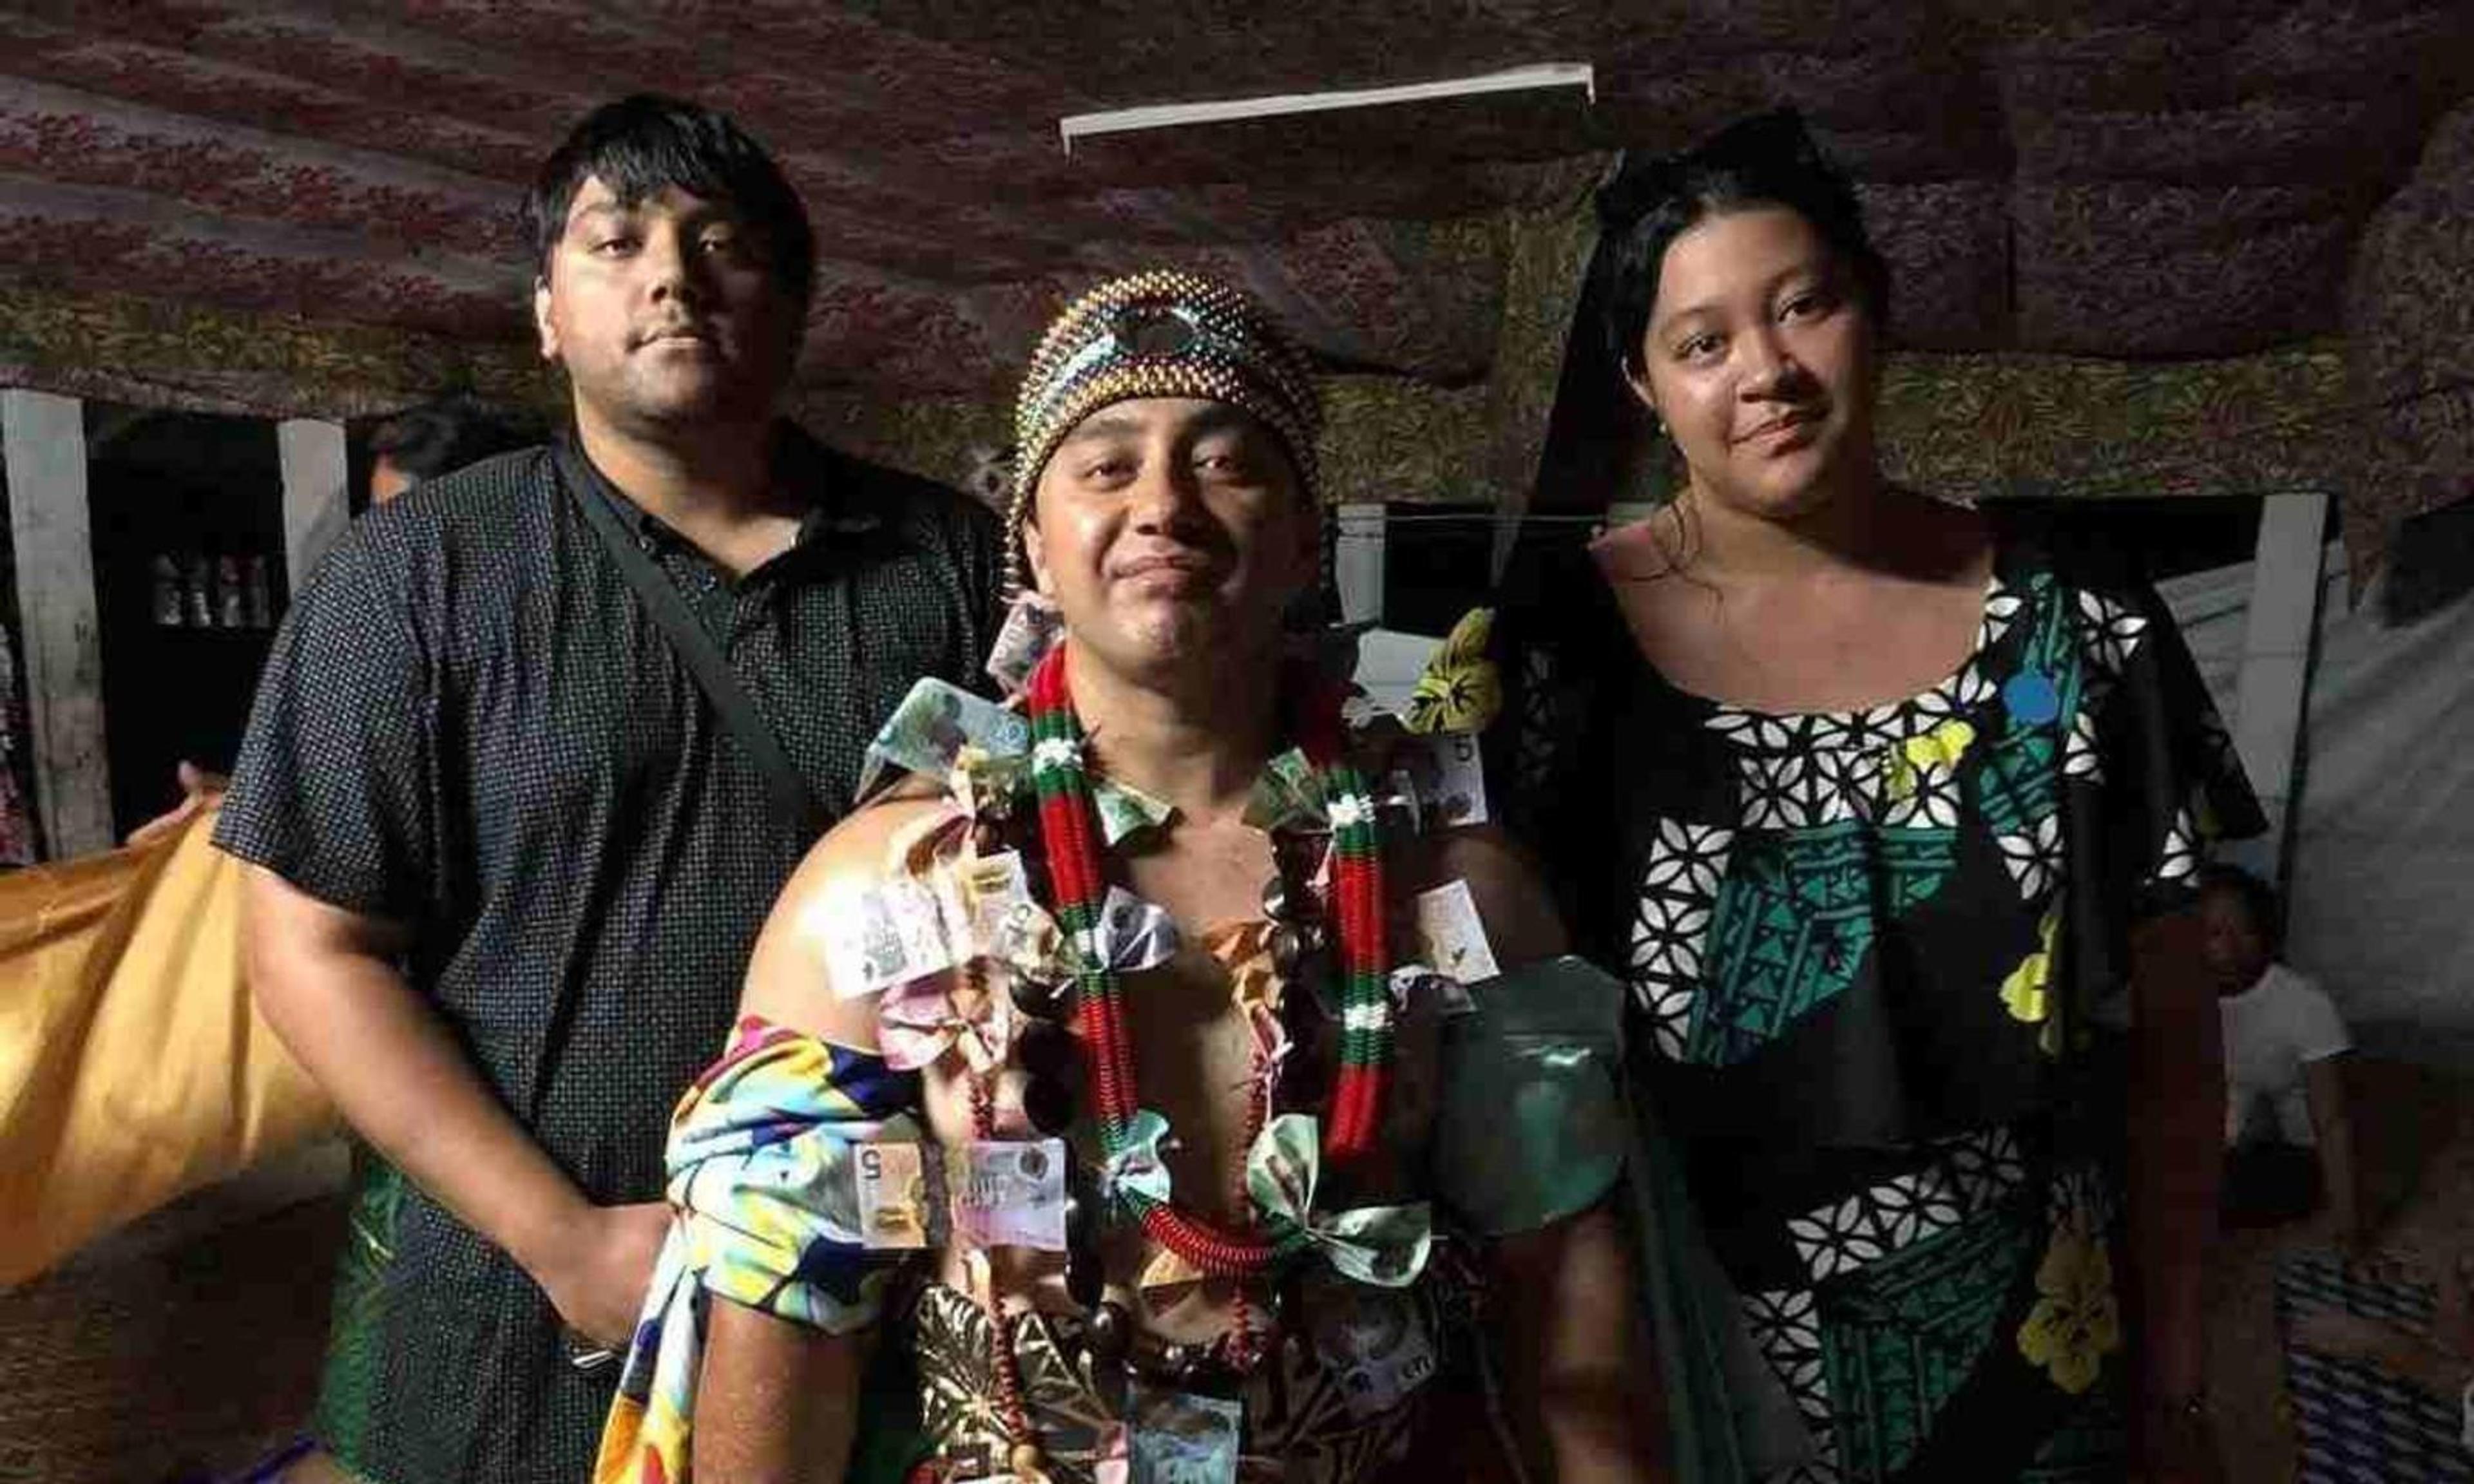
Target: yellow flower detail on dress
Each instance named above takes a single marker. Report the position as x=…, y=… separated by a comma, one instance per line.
x=1928, y=755
x=1460, y=690
x=2027, y=994
x=2075, y=1323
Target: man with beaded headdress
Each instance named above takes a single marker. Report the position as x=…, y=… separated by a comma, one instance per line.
x=1172, y=1153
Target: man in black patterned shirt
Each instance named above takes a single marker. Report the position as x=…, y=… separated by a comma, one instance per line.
x=507, y=856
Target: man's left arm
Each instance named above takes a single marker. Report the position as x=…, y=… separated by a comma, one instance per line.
x=2176, y=1152
x=1572, y=1352
x=1572, y=1343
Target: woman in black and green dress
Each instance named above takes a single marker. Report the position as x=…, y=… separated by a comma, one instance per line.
x=1863, y=792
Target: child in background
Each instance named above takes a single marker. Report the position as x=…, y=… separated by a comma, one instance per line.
x=2289, y=1137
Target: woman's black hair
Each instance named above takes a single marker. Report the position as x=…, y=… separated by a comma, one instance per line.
x=1769, y=159
x=640, y=144
x=2258, y=898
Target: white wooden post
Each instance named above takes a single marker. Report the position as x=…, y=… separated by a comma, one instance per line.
x=1357, y=561
x=43, y=438
x=316, y=504
x=2273, y=684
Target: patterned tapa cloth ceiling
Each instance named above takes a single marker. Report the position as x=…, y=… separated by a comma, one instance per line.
x=2131, y=179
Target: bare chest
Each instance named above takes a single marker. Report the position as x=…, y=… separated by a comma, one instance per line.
x=1198, y=1024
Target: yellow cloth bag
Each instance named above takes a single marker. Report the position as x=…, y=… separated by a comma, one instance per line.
x=133, y=1068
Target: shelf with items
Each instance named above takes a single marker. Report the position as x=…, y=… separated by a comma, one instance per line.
x=188, y=519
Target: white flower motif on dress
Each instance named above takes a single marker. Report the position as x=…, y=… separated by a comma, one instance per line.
x=1933, y=1205
x=1875, y=1222
x=1667, y=1006
x=2178, y=858
x=1836, y=1239
x=1785, y=1327
x=1761, y=733
x=1732, y=724
x=1678, y=893
x=1350, y=809
x=1797, y=790
x=1948, y=700
x=2035, y=858
x=1783, y=1316
x=1965, y=1176
x=2002, y=607
x=1871, y=732
x=1970, y=688
x=1862, y=784
x=1825, y=732
x=2110, y=633
x=1932, y=803
x=2080, y=756
x=1667, y=935
x=1769, y=792
x=1054, y=754
x=1685, y=857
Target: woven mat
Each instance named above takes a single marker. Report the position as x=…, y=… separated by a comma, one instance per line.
x=2357, y=1423
x=156, y=1366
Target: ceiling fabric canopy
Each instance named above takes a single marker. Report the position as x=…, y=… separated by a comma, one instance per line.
x=2164, y=180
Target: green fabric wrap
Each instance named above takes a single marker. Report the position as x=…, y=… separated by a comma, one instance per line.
x=349, y=1385
x=1532, y=1127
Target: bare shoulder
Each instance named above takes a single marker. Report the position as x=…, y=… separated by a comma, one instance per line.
x=789, y=979
x=1519, y=916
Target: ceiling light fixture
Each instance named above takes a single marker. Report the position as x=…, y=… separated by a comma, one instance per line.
x=1171, y=115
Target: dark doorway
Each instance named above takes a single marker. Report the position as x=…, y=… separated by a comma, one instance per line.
x=187, y=512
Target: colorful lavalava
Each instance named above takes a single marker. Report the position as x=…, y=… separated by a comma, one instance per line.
x=765, y=1214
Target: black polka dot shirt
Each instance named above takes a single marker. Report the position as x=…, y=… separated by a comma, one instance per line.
x=470, y=726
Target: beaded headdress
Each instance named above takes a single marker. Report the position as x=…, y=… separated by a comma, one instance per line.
x=1160, y=333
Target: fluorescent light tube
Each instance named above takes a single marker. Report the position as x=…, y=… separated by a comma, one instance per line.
x=1171, y=115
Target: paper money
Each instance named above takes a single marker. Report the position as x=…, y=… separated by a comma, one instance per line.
x=1415, y=982
x=896, y=1195
x=1029, y=942
x=879, y=936
x=1288, y=795
x=1032, y=626
x=1010, y=1193
x=1449, y=774
x=1375, y=1341
x=1177, y=1438
x=1126, y=811
x=928, y=730
x=1404, y=796
x=1132, y=934
x=977, y=894
x=1453, y=934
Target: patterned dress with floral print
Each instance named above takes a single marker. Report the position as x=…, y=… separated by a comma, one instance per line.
x=1877, y=961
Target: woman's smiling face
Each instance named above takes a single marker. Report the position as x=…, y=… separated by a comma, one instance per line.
x=1760, y=357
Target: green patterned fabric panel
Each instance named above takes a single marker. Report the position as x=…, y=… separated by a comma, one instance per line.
x=1795, y=918
x=1897, y=1342
x=352, y=1377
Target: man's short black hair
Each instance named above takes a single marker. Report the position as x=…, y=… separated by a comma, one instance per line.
x=641, y=144
x=441, y=435
x=2259, y=900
